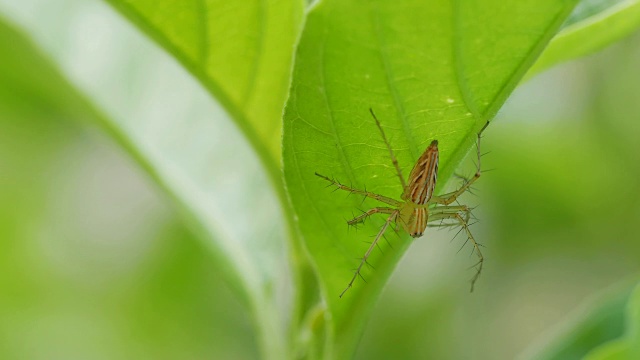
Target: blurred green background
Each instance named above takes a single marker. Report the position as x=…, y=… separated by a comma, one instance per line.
x=95, y=264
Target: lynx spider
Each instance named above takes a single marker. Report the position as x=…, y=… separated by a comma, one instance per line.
x=419, y=207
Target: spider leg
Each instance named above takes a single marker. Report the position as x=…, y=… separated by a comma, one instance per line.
x=447, y=199
x=461, y=215
x=436, y=215
x=368, y=194
x=365, y=215
x=391, y=154
x=391, y=218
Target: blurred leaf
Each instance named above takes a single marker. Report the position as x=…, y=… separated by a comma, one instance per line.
x=602, y=322
x=627, y=347
x=429, y=71
x=610, y=330
x=162, y=298
x=613, y=350
x=589, y=31
x=26, y=78
x=633, y=323
x=180, y=306
x=241, y=51
x=176, y=164
x=589, y=8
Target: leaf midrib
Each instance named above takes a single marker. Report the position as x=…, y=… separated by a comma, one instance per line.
x=507, y=87
x=413, y=147
x=323, y=75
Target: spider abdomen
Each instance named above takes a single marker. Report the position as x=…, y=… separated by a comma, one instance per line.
x=414, y=219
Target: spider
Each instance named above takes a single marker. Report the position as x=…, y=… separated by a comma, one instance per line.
x=419, y=207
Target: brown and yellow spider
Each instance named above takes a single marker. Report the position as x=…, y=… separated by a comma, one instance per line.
x=419, y=207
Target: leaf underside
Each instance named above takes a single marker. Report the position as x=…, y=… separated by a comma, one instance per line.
x=239, y=50
x=430, y=70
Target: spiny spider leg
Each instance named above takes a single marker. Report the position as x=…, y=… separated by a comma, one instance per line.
x=454, y=214
x=449, y=198
x=376, y=210
x=439, y=210
x=391, y=154
x=435, y=214
x=391, y=218
x=380, y=198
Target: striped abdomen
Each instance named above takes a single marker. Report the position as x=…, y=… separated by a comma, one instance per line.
x=423, y=177
x=413, y=219
x=418, y=222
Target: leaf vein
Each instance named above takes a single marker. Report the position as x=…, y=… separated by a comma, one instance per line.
x=392, y=89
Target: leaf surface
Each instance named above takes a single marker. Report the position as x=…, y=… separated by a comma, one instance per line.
x=599, y=322
x=430, y=70
x=607, y=329
x=241, y=51
x=588, y=30
x=627, y=346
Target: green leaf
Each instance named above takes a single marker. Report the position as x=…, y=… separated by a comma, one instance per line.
x=633, y=323
x=430, y=70
x=613, y=350
x=608, y=329
x=628, y=346
x=185, y=167
x=599, y=322
x=241, y=51
x=26, y=78
x=589, y=31
x=589, y=8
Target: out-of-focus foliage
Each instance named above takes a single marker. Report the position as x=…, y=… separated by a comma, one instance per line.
x=95, y=265
x=589, y=29
x=181, y=155
x=604, y=332
x=602, y=322
x=626, y=346
x=240, y=50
